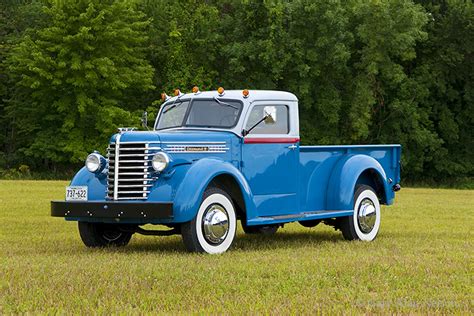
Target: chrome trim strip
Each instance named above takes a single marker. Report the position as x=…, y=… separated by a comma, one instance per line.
x=211, y=148
x=116, y=165
x=195, y=142
x=136, y=148
x=196, y=152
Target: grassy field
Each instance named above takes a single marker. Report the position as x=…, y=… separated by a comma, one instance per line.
x=422, y=261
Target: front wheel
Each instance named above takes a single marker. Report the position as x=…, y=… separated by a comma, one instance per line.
x=213, y=228
x=364, y=223
x=103, y=235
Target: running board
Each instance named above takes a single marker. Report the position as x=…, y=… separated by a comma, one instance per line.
x=141, y=231
x=297, y=217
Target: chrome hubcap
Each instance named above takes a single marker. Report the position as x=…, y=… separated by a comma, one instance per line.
x=366, y=216
x=215, y=224
x=111, y=235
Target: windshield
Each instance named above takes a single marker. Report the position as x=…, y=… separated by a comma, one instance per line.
x=173, y=115
x=200, y=113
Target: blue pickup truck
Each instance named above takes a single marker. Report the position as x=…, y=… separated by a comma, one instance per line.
x=216, y=157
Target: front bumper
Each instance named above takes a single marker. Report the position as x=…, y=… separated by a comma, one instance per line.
x=117, y=210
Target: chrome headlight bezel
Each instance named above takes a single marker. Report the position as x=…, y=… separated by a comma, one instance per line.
x=160, y=161
x=95, y=163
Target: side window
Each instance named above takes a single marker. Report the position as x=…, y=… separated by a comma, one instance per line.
x=281, y=126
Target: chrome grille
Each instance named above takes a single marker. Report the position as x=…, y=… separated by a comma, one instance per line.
x=130, y=174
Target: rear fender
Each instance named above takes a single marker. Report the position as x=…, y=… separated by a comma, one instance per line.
x=200, y=174
x=344, y=177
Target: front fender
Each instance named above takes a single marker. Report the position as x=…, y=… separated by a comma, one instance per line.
x=97, y=185
x=343, y=179
x=189, y=193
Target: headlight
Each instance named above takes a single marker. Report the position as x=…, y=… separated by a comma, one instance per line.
x=160, y=161
x=94, y=162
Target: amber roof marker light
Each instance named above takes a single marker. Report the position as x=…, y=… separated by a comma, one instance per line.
x=177, y=93
x=220, y=91
x=245, y=93
x=196, y=90
x=164, y=97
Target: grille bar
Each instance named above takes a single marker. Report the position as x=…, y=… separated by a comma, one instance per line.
x=131, y=155
x=134, y=167
x=128, y=160
x=130, y=192
x=136, y=179
x=130, y=172
x=132, y=185
x=116, y=165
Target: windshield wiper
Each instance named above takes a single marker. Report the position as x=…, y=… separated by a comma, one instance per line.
x=226, y=104
x=172, y=106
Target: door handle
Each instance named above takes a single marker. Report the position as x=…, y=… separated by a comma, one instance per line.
x=292, y=147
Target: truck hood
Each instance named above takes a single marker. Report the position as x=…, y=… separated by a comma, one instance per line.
x=188, y=145
x=137, y=136
x=176, y=137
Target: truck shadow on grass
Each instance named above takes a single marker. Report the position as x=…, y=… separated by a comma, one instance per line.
x=243, y=242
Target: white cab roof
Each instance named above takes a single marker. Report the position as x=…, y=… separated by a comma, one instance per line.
x=254, y=95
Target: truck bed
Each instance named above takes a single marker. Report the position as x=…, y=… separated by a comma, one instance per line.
x=318, y=162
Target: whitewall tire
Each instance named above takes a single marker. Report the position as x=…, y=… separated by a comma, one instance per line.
x=364, y=223
x=213, y=228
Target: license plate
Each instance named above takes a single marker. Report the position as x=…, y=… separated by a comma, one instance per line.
x=76, y=193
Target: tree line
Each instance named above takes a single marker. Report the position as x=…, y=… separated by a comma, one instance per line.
x=377, y=71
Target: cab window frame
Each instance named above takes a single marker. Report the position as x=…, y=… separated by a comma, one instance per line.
x=262, y=105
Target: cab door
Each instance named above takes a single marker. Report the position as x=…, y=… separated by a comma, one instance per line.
x=270, y=155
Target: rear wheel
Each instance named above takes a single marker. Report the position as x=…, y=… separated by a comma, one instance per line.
x=260, y=229
x=364, y=223
x=103, y=235
x=212, y=230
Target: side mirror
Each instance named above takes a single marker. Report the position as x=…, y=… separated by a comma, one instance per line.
x=270, y=114
x=144, y=119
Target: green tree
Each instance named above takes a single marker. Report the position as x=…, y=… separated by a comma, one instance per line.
x=184, y=41
x=444, y=71
x=184, y=44
x=364, y=71
x=319, y=70
x=15, y=17
x=72, y=76
x=386, y=34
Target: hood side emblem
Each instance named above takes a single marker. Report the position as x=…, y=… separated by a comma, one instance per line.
x=196, y=148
